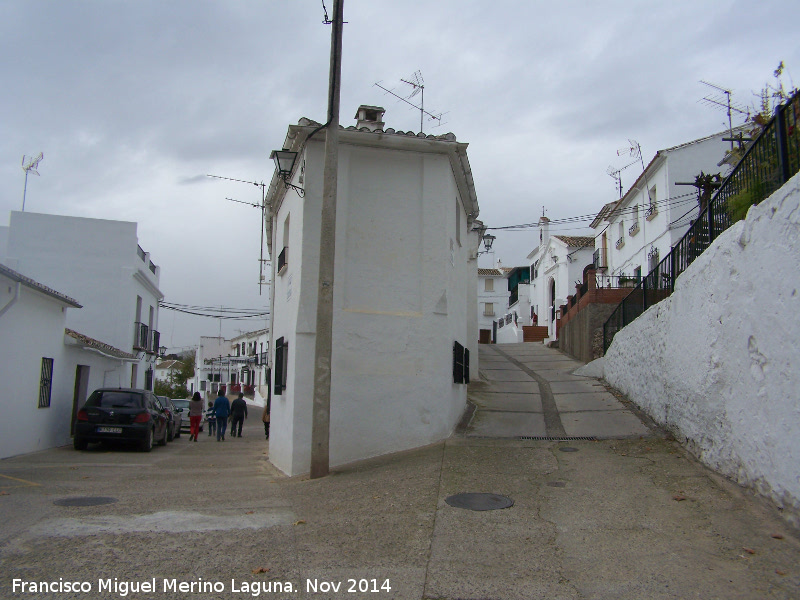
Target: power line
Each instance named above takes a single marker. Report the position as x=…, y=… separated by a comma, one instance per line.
x=672, y=201
x=216, y=312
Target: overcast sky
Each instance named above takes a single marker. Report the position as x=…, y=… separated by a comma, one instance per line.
x=134, y=102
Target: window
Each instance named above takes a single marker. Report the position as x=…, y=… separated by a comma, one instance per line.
x=281, y=365
x=637, y=273
x=488, y=309
x=489, y=285
x=46, y=382
x=243, y=351
x=283, y=257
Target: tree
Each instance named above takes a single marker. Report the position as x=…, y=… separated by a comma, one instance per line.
x=175, y=386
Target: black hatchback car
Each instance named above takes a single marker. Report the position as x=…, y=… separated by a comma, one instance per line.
x=121, y=415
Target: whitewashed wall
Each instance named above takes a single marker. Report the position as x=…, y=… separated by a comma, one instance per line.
x=94, y=261
x=717, y=362
x=399, y=303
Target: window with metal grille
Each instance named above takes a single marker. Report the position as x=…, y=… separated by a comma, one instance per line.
x=46, y=382
x=281, y=365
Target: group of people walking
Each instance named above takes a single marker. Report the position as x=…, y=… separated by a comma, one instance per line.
x=217, y=415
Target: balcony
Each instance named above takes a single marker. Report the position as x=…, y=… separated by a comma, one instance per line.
x=633, y=229
x=620, y=243
x=141, y=336
x=651, y=212
x=283, y=260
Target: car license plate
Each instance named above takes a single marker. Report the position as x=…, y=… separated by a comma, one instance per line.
x=109, y=430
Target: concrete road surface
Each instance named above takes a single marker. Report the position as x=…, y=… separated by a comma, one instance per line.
x=628, y=516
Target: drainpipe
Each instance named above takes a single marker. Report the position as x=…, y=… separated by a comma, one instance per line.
x=13, y=300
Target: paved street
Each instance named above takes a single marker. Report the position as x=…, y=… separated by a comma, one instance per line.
x=628, y=515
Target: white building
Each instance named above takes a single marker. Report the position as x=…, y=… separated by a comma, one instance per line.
x=238, y=365
x=211, y=367
x=492, y=302
x=251, y=372
x=405, y=291
x=47, y=370
x=637, y=231
x=101, y=264
x=556, y=265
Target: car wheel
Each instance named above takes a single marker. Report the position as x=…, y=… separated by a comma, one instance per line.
x=163, y=440
x=171, y=434
x=178, y=431
x=147, y=442
x=79, y=443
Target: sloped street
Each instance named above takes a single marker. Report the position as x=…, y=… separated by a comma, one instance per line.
x=625, y=515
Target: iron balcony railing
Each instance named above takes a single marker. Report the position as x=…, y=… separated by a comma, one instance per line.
x=767, y=164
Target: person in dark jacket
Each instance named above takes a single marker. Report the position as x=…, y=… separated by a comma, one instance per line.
x=222, y=408
x=238, y=415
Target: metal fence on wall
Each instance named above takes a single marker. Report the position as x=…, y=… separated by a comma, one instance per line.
x=769, y=162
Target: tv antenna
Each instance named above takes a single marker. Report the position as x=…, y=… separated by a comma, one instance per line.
x=634, y=150
x=616, y=174
x=263, y=206
x=724, y=101
x=29, y=165
x=418, y=87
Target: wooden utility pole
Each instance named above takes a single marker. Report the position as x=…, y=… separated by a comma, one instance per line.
x=321, y=416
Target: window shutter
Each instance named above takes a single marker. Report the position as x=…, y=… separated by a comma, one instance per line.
x=466, y=365
x=458, y=363
x=278, y=367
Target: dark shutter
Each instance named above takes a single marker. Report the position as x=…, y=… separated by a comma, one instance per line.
x=278, y=367
x=45, y=382
x=466, y=365
x=458, y=363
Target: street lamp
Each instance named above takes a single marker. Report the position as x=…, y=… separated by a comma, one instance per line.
x=488, y=240
x=284, y=163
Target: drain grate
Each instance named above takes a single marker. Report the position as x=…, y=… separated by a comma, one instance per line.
x=85, y=501
x=544, y=438
x=475, y=501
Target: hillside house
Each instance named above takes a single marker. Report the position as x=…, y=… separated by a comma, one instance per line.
x=637, y=231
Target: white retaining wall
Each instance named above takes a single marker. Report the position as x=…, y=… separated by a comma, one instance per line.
x=718, y=362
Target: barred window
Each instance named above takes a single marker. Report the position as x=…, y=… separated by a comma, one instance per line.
x=46, y=383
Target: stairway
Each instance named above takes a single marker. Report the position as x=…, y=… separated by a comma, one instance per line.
x=534, y=333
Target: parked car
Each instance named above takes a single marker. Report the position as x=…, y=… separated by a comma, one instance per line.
x=175, y=418
x=182, y=407
x=122, y=415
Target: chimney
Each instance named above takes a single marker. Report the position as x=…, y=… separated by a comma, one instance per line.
x=370, y=117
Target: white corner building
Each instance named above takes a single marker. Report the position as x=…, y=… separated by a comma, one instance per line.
x=405, y=291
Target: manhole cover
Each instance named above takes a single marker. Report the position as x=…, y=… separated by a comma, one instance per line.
x=474, y=501
x=85, y=501
x=567, y=449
